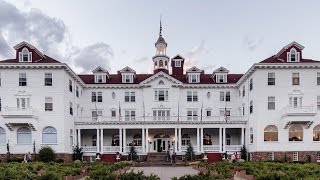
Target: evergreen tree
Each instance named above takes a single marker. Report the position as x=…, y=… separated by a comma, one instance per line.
x=133, y=156
x=243, y=152
x=190, y=153
x=77, y=153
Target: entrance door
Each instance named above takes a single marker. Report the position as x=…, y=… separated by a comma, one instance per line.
x=159, y=149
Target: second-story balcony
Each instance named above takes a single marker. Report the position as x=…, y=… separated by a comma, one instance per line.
x=298, y=111
x=13, y=112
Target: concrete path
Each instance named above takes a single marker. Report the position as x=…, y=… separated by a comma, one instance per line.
x=166, y=172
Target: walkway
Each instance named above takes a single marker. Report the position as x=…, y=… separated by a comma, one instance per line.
x=167, y=172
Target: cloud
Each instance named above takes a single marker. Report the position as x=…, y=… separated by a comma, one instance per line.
x=192, y=56
x=50, y=35
x=252, y=43
x=142, y=59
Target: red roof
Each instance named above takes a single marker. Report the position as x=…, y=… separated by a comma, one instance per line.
x=273, y=59
x=46, y=59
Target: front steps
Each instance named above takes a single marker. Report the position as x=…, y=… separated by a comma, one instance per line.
x=159, y=159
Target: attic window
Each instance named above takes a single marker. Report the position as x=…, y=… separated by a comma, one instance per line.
x=194, y=78
x=25, y=55
x=99, y=78
x=127, y=78
x=293, y=55
x=177, y=63
x=161, y=82
x=221, y=78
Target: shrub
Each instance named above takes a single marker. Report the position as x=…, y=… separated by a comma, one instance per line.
x=243, y=152
x=190, y=153
x=77, y=153
x=49, y=176
x=14, y=159
x=59, y=161
x=46, y=154
x=133, y=156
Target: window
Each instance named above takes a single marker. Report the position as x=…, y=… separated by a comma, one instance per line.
x=177, y=63
x=48, y=105
x=71, y=137
x=71, y=108
x=48, y=79
x=70, y=86
x=137, y=140
x=161, y=95
x=318, y=156
x=295, y=102
x=208, y=113
x=192, y=96
x=130, y=115
x=221, y=78
x=228, y=96
x=243, y=91
x=296, y=133
x=23, y=103
x=99, y=78
x=185, y=140
x=316, y=133
x=251, y=84
x=96, y=115
x=194, y=78
x=127, y=78
x=161, y=114
x=225, y=113
x=271, y=103
x=228, y=140
x=293, y=55
x=271, y=133
x=77, y=91
x=113, y=113
x=295, y=79
x=96, y=96
x=130, y=97
x=94, y=140
x=295, y=156
x=192, y=115
x=318, y=79
x=318, y=103
x=251, y=107
x=22, y=79
x=251, y=135
x=243, y=110
x=271, y=156
x=2, y=136
x=221, y=96
x=25, y=55
x=49, y=135
x=24, y=136
x=115, y=140
x=271, y=79
x=207, y=139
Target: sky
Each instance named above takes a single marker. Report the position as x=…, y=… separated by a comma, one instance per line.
x=118, y=33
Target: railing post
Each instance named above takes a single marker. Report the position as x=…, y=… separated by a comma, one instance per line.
x=198, y=140
x=201, y=139
x=98, y=140
x=120, y=140
x=102, y=141
x=220, y=140
x=124, y=140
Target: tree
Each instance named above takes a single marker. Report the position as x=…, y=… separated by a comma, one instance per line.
x=190, y=153
x=77, y=153
x=243, y=152
x=133, y=156
x=46, y=154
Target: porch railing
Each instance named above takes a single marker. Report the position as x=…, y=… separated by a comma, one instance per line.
x=138, y=149
x=211, y=148
x=111, y=148
x=184, y=148
x=233, y=147
x=89, y=148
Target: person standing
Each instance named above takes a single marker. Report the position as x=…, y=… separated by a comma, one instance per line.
x=173, y=159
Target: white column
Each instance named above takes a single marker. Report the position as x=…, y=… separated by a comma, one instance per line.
x=79, y=137
x=224, y=139
x=143, y=140
x=147, y=140
x=120, y=140
x=124, y=140
x=101, y=141
x=198, y=140
x=176, y=140
x=220, y=139
x=179, y=134
x=98, y=140
x=242, y=136
x=201, y=139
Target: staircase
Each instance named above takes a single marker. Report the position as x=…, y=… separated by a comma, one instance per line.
x=214, y=157
x=159, y=159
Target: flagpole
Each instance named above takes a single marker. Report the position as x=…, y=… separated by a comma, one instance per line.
x=225, y=113
x=201, y=113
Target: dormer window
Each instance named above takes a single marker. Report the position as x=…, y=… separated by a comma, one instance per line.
x=99, y=78
x=127, y=78
x=221, y=78
x=127, y=75
x=100, y=75
x=25, y=55
x=177, y=63
x=293, y=55
x=194, y=78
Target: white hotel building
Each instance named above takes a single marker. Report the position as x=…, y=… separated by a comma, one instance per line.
x=273, y=108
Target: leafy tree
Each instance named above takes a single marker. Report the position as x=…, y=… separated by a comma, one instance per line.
x=46, y=154
x=77, y=153
x=243, y=152
x=133, y=156
x=190, y=153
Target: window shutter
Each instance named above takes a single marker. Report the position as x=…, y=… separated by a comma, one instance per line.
x=30, y=56
x=20, y=57
x=288, y=56
x=298, y=57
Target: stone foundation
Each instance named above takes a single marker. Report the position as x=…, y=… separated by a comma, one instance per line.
x=65, y=157
x=286, y=156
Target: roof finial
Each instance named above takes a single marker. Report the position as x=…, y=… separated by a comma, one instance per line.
x=160, y=33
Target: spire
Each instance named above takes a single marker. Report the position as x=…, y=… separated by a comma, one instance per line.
x=160, y=32
x=161, y=39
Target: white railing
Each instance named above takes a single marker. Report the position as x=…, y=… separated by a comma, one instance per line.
x=138, y=149
x=233, y=147
x=111, y=148
x=299, y=110
x=89, y=148
x=14, y=111
x=184, y=148
x=211, y=148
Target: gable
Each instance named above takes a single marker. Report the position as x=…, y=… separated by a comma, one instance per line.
x=99, y=69
x=127, y=70
x=161, y=76
x=194, y=69
x=221, y=70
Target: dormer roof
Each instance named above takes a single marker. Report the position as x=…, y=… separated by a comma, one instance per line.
x=127, y=70
x=99, y=69
x=177, y=57
x=221, y=70
x=289, y=46
x=23, y=44
x=194, y=70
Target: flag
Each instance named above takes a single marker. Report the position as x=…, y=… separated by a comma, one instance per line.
x=178, y=112
x=225, y=113
x=119, y=112
x=201, y=112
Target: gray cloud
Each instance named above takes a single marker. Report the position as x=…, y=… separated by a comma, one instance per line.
x=50, y=35
x=192, y=56
x=252, y=43
x=142, y=59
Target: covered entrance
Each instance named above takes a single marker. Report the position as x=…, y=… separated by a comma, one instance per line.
x=161, y=140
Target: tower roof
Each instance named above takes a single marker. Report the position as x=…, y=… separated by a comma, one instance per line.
x=160, y=39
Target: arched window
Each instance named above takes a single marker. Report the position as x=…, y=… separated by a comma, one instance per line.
x=228, y=139
x=25, y=55
x=115, y=140
x=251, y=135
x=271, y=133
x=94, y=140
x=165, y=63
x=49, y=135
x=185, y=139
x=293, y=55
x=2, y=136
x=137, y=140
x=161, y=82
x=24, y=136
x=295, y=133
x=160, y=63
x=207, y=139
x=316, y=133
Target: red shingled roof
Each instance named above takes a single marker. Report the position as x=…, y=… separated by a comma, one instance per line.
x=46, y=59
x=273, y=59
